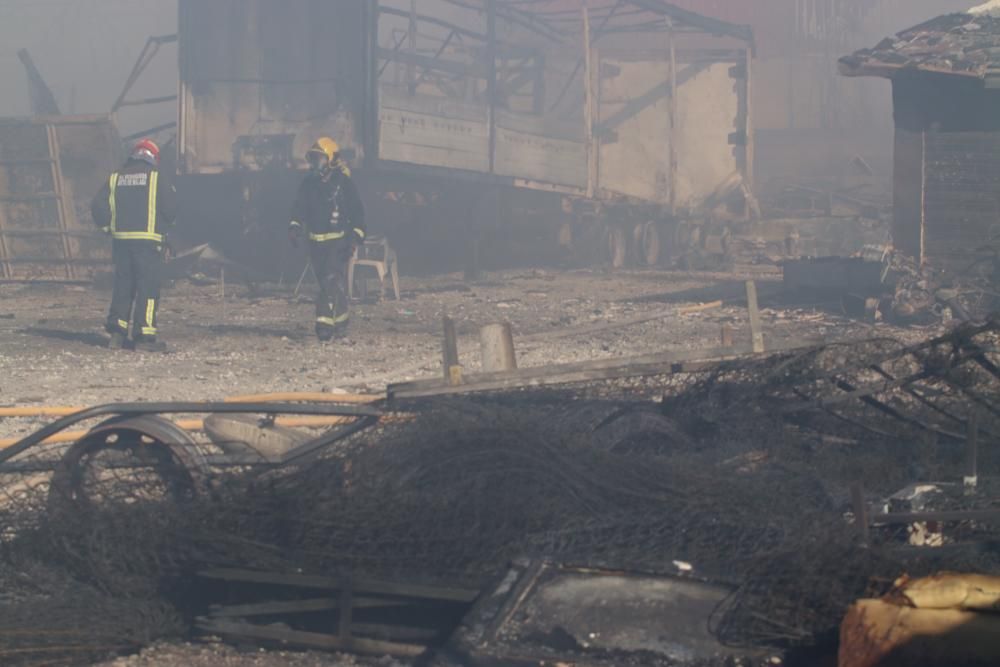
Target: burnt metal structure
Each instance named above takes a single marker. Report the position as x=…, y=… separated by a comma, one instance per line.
x=945, y=108
x=601, y=105
x=135, y=438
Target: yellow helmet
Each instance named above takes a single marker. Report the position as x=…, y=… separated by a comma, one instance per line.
x=325, y=146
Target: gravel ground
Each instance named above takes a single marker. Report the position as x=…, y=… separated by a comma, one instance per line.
x=52, y=353
x=52, y=341
x=215, y=654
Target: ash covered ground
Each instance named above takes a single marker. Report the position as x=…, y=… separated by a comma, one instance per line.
x=51, y=352
x=52, y=341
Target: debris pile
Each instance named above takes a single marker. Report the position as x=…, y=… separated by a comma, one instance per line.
x=742, y=470
x=891, y=286
x=960, y=44
x=922, y=293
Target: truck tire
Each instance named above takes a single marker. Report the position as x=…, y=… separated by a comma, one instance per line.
x=171, y=464
x=647, y=243
x=617, y=246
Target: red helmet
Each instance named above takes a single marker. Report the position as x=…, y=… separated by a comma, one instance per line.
x=147, y=151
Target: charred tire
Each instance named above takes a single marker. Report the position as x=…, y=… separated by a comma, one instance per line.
x=617, y=246
x=646, y=242
x=149, y=443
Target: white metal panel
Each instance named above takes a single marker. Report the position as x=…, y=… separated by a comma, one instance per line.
x=637, y=161
x=529, y=147
x=707, y=112
x=438, y=132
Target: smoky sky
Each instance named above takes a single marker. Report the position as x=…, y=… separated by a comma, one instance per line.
x=85, y=50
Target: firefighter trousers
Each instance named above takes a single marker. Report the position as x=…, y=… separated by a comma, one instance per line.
x=329, y=262
x=136, y=295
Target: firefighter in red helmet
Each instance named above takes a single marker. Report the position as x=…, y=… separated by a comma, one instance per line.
x=135, y=207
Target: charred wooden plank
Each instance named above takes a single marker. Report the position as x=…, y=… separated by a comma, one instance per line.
x=309, y=605
x=585, y=371
x=363, y=586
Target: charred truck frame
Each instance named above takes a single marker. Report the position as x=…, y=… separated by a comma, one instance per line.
x=615, y=118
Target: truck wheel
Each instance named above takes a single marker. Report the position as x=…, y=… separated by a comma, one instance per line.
x=617, y=246
x=126, y=460
x=647, y=243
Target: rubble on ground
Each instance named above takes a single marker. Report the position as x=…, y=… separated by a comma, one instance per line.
x=51, y=343
x=879, y=284
x=761, y=501
x=216, y=654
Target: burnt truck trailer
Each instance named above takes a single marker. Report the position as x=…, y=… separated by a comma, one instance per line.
x=596, y=125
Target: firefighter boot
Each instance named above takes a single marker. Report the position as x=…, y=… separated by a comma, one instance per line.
x=117, y=340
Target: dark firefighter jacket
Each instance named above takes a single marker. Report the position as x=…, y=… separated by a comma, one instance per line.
x=135, y=203
x=329, y=207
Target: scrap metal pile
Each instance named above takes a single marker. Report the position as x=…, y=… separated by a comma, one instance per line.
x=960, y=43
x=741, y=471
x=878, y=283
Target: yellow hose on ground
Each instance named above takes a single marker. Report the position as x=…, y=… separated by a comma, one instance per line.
x=46, y=411
x=311, y=397
x=305, y=396
x=199, y=425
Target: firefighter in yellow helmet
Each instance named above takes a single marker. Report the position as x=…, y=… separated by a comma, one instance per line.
x=329, y=213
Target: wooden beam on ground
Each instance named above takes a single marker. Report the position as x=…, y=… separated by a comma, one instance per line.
x=309, y=605
x=277, y=607
x=602, y=369
x=361, y=586
x=699, y=307
x=588, y=329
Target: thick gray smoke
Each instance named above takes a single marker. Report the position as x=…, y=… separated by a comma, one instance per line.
x=85, y=50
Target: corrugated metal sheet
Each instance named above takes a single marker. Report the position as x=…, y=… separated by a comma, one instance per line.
x=434, y=132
